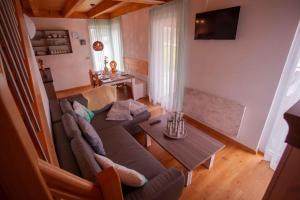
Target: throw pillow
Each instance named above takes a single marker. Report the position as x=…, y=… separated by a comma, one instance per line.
x=128, y=176
x=100, y=96
x=119, y=111
x=82, y=111
x=65, y=106
x=91, y=136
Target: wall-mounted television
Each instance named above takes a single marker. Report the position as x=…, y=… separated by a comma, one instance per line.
x=217, y=24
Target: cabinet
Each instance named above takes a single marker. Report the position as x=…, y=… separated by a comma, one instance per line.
x=285, y=183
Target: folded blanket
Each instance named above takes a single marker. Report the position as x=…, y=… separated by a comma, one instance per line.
x=119, y=111
x=136, y=107
x=122, y=110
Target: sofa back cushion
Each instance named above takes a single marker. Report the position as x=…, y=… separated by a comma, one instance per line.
x=65, y=106
x=91, y=136
x=86, y=161
x=63, y=150
x=70, y=126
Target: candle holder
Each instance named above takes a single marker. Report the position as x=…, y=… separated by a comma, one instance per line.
x=175, y=126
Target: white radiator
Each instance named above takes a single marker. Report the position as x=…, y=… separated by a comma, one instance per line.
x=220, y=114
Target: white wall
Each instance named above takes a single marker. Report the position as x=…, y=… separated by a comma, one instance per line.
x=68, y=70
x=247, y=69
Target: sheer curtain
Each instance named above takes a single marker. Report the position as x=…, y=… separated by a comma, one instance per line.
x=167, y=54
x=109, y=33
x=288, y=95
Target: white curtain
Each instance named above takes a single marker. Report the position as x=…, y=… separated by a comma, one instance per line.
x=109, y=33
x=289, y=95
x=167, y=54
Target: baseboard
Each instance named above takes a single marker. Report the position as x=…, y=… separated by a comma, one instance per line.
x=73, y=88
x=217, y=135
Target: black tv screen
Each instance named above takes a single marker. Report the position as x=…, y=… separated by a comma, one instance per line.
x=218, y=24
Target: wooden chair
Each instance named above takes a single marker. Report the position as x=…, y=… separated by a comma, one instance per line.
x=94, y=78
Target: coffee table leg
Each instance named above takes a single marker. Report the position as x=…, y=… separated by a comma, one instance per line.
x=147, y=140
x=209, y=163
x=188, y=177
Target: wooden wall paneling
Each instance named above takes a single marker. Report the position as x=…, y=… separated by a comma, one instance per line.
x=128, y=8
x=34, y=7
x=101, y=8
x=136, y=65
x=45, y=135
x=71, y=6
x=153, y=2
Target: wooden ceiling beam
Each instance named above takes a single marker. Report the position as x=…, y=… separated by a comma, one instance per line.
x=152, y=2
x=127, y=9
x=70, y=7
x=34, y=6
x=102, y=8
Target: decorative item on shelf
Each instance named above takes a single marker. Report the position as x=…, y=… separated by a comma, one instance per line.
x=98, y=46
x=106, y=71
x=113, y=66
x=42, y=68
x=175, y=126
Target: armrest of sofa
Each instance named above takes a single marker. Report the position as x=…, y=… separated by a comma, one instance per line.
x=167, y=185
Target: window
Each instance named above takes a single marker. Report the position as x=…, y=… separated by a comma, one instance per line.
x=109, y=33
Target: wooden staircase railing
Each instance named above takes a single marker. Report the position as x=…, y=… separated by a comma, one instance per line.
x=64, y=185
x=27, y=156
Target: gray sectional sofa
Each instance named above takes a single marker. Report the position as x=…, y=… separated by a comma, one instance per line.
x=76, y=156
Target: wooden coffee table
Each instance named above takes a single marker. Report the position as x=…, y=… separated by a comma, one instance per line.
x=195, y=149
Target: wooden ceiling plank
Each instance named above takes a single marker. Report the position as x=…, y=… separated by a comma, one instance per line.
x=127, y=9
x=152, y=2
x=102, y=8
x=34, y=6
x=71, y=6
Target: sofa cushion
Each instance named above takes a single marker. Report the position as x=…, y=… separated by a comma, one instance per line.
x=82, y=111
x=128, y=176
x=91, y=136
x=99, y=122
x=123, y=149
x=63, y=150
x=70, y=126
x=167, y=185
x=84, y=155
x=55, y=110
x=65, y=106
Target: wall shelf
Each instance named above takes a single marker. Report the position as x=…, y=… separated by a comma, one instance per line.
x=51, y=42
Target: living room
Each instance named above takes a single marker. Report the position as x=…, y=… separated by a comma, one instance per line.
x=150, y=99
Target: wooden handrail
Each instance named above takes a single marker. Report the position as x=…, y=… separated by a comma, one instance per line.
x=110, y=184
x=63, y=184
